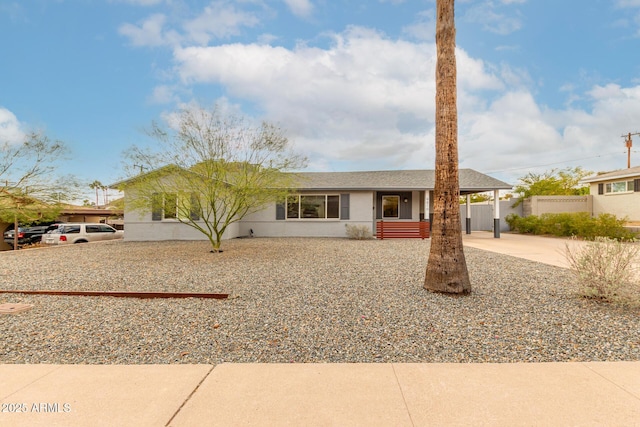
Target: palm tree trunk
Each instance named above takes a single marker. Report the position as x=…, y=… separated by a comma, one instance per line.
x=447, y=267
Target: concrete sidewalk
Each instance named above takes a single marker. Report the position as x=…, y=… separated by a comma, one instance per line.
x=596, y=393
x=585, y=394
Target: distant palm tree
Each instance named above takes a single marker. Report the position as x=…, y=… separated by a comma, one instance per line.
x=446, y=267
x=95, y=185
x=105, y=194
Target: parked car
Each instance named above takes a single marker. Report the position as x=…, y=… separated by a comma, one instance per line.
x=81, y=233
x=28, y=235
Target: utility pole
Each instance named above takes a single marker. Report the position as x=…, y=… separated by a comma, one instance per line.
x=629, y=144
x=142, y=168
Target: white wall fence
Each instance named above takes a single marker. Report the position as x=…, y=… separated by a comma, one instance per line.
x=482, y=215
x=538, y=205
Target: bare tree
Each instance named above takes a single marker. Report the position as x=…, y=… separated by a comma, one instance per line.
x=446, y=267
x=213, y=168
x=30, y=189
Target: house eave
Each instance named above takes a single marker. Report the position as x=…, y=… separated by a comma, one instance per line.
x=615, y=175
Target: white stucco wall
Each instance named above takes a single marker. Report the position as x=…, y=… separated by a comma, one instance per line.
x=619, y=204
x=140, y=227
x=264, y=223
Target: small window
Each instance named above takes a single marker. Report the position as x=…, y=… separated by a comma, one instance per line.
x=390, y=206
x=106, y=229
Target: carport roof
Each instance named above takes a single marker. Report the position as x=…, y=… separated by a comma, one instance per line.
x=471, y=181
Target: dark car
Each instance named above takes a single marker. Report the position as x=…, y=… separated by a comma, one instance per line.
x=28, y=235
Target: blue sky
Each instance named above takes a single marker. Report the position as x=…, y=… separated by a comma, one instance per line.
x=542, y=83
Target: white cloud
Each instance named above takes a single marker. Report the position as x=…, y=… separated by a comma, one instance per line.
x=368, y=102
x=302, y=8
x=424, y=28
x=141, y=2
x=392, y=1
x=365, y=97
x=511, y=131
x=628, y=3
x=163, y=94
x=10, y=128
x=487, y=14
x=149, y=33
x=515, y=135
x=219, y=20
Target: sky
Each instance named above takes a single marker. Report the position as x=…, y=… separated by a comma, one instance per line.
x=542, y=84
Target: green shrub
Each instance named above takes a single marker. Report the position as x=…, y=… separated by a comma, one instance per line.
x=527, y=225
x=358, y=232
x=579, y=224
x=604, y=269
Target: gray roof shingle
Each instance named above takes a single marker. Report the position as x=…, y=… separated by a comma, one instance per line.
x=470, y=180
x=622, y=173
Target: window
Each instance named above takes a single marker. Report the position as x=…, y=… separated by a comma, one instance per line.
x=293, y=207
x=313, y=207
x=170, y=206
x=106, y=229
x=69, y=229
x=92, y=228
x=619, y=187
x=390, y=206
x=164, y=206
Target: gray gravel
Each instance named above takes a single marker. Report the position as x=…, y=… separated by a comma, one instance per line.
x=299, y=300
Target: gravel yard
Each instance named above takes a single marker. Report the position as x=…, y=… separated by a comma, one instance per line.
x=299, y=300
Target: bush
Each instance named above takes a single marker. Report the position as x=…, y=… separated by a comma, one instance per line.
x=579, y=224
x=605, y=270
x=358, y=232
x=527, y=225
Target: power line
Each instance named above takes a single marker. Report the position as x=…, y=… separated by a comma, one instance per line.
x=551, y=164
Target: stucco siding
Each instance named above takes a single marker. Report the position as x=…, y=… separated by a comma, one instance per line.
x=619, y=204
x=170, y=230
x=538, y=205
x=140, y=227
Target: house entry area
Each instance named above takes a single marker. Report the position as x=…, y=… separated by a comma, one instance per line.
x=398, y=215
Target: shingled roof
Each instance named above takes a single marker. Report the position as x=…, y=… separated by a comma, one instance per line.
x=471, y=181
x=619, y=174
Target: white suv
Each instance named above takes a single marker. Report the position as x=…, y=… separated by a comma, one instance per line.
x=81, y=233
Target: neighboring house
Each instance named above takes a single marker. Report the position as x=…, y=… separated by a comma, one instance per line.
x=617, y=193
x=322, y=205
x=106, y=215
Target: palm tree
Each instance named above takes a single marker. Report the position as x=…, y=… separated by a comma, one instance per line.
x=447, y=267
x=95, y=185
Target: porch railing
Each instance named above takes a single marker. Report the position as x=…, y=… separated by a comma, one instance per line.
x=402, y=230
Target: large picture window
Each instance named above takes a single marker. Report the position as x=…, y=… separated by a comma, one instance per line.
x=390, y=207
x=313, y=206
